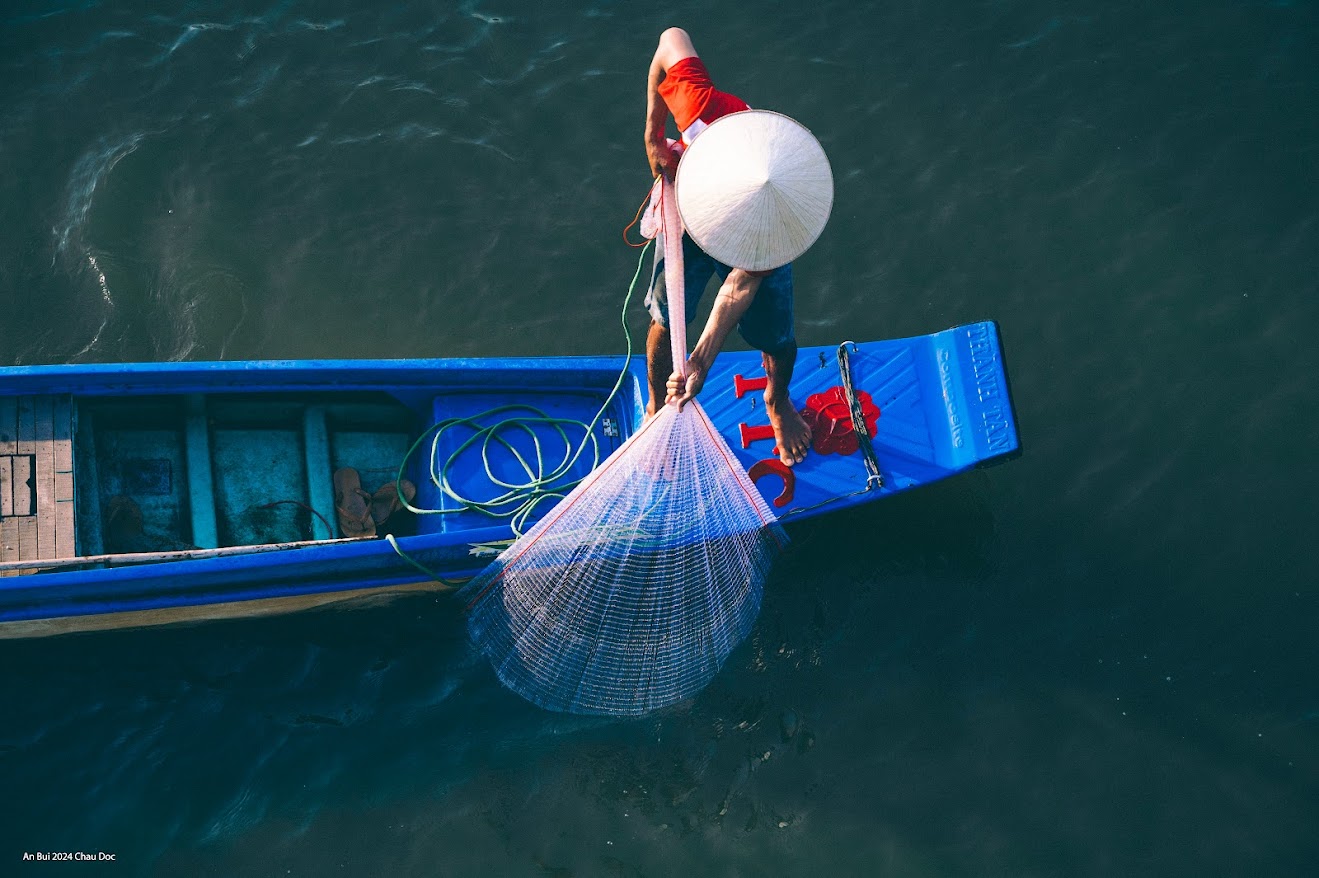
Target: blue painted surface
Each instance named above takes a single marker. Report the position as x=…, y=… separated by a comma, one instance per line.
x=201, y=497
x=944, y=401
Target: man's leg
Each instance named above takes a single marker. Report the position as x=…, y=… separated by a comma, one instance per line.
x=767, y=326
x=659, y=364
x=791, y=433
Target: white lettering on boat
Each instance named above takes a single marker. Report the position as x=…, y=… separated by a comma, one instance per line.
x=946, y=380
x=986, y=371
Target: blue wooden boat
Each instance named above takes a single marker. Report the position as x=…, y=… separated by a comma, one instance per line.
x=143, y=494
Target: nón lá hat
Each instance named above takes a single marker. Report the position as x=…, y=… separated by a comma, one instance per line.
x=754, y=189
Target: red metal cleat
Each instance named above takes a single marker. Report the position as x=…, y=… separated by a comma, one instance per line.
x=752, y=434
x=742, y=385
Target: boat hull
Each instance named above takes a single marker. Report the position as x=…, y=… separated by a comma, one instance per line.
x=218, y=459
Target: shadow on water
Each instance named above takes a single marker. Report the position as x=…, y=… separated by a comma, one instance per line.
x=141, y=740
x=895, y=703
x=157, y=741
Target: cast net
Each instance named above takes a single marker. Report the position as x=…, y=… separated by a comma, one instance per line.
x=631, y=592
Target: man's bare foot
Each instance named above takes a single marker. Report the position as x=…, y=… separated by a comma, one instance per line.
x=791, y=433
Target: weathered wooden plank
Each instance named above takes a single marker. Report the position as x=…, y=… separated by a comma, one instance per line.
x=43, y=473
x=6, y=485
x=25, y=521
x=8, y=539
x=65, y=521
x=63, y=488
x=8, y=448
x=20, y=468
x=25, y=424
x=8, y=424
x=28, y=547
x=62, y=420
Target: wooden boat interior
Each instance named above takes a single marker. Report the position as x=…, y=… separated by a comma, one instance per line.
x=231, y=470
x=171, y=472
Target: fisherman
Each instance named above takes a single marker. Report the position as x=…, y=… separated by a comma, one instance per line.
x=759, y=303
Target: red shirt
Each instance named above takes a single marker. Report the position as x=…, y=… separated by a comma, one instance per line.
x=691, y=95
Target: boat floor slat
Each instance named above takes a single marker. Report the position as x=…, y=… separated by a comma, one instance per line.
x=36, y=478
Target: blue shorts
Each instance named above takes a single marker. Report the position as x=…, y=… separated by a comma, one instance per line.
x=767, y=323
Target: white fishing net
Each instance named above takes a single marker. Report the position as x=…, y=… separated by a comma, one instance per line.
x=630, y=594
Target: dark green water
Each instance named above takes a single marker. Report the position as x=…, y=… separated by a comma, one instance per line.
x=1097, y=660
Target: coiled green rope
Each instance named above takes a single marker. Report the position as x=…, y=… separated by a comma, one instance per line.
x=520, y=499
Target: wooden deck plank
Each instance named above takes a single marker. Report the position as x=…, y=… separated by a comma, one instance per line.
x=43, y=473
x=25, y=424
x=8, y=452
x=36, y=478
x=62, y=420
x=62, y=451
x=20, y=470
x=8, y=424
x=9, y=539
x=26, y=530
x=25, y=522
x=8, y=448
x=65, y=525
x=6, y=485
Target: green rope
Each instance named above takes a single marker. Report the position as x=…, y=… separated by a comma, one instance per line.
x=520, y=500
x=449, y=584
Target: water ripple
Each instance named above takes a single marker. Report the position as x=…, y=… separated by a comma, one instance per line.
x=89, y=172
x=190, y=33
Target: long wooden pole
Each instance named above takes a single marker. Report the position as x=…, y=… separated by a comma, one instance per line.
x=674, y=277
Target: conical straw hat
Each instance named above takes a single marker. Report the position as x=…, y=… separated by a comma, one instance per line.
x=755, y=189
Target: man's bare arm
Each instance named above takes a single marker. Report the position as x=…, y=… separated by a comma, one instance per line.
x=657, y=115
x=735, y=296
x=674, y=45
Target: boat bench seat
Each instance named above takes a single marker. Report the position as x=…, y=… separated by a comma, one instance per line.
x=268, y=463
x=201, y=486
x=316, y=447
